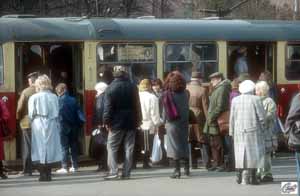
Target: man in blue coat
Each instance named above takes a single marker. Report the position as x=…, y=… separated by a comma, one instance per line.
x=70, y=121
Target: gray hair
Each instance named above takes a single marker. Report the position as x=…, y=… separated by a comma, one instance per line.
x=263, y=87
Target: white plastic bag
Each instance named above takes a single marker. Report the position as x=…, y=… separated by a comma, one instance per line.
x=156, y=155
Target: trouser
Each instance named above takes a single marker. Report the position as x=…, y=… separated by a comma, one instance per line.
x=266, y=170
x=297, y=156
x=206, y=155
x=69, y=141
x=229, y=161
x=194, y=153
x=114, y=140
x=26, y=151
x=213, y=149
x=1, y=168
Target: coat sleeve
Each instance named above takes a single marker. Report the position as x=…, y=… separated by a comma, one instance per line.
x=107, y=108
x=31, y=108
x=260, y=113
x=222, y=103
x=137, y=107
x=205, y=103
x=155, y=111
x=270, y=111
x=20, y=106
x=231, y=119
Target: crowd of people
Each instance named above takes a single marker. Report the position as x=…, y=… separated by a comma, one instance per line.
x=232, y=123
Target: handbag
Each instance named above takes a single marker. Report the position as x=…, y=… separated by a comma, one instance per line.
x=223, y=122
x=294, y=136
x=170, y=107
x=98, y=142
x=5, y=131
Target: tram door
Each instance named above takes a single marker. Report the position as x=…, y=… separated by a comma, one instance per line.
x=62, y=62
x=259, y=56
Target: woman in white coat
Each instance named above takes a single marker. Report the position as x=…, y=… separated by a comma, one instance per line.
x=43, y=112
x=247, y=119
x=151, y=117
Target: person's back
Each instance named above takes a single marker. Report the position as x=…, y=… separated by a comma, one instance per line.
x=68, y=109
x=121, y=101
x=247, y=111
x=198, y=100
x=44, y=104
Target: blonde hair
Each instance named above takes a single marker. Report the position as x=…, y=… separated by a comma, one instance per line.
x=262, y=87
x=43, y=83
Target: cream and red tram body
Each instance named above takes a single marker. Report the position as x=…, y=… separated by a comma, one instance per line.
x=150, y=48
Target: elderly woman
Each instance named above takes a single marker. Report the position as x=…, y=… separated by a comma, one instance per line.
x=247, y=118
x=176, y=115
x=262, y=90
x=43, y=111
x=99, y=152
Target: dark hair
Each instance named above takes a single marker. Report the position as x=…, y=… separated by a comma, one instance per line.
x=157, y=82
x=175, y=82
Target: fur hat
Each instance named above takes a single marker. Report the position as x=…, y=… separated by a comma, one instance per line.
x=246, y=86
x=100, y=87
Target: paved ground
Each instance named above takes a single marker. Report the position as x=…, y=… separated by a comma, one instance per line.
x=153, y=182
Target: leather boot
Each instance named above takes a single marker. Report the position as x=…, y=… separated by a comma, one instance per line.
x=43, y=174
x=2, y=174
x=48, y=173
x=186, y=167
x=176, y=173
x=253, y=179
x=239, y=176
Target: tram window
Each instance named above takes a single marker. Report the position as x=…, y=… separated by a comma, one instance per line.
x=292, y=68
x=140, y=59
x=188, y=57
x=1, y=66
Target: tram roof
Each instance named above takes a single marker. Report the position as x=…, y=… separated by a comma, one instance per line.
x=72, y=29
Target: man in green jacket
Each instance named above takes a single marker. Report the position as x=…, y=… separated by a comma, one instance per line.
x=218, y=103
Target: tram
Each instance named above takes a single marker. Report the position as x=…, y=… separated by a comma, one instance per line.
x=150, y=48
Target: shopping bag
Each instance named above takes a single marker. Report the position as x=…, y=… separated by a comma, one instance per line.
x=98, y=142
x=156, y=155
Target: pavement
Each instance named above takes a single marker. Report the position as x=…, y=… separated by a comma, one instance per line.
x=149, y=182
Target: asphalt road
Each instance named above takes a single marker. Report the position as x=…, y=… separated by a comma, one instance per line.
x=149, y=182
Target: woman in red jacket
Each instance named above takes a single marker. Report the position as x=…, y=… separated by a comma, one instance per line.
x=4, y=115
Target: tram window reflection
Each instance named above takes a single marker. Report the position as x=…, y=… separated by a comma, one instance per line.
x=292, y=68
x=140, y=59
x=1, y=66
x=188, y=57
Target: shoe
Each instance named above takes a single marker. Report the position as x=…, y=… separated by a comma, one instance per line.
x=3, y=176
x=239, y=177
x=73, y=170
x=176, y=174
x=111, y=177
x=186, y=167
x=146, y=166
x=123, y=177
x=220, y=169
x=62, y=171
x=211, y=168
x=267, y=179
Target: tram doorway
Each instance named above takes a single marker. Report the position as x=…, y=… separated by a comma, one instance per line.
x=61, y=61
x=259, y=57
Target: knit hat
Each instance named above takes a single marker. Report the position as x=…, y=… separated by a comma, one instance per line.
x=145, y=85
x=246, y=87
